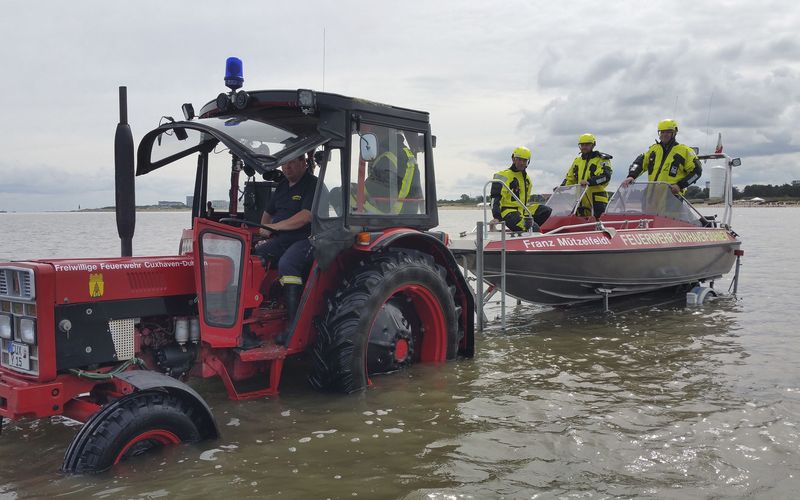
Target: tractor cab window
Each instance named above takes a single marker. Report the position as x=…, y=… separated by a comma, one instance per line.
x=387, y=171
x=174, y=144
x=330, y=175
x=259, y=140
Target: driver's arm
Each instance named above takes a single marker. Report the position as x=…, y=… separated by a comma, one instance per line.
x=296, y=221
x=266, y=218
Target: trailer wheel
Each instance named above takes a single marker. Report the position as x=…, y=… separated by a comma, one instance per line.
x=396, y=309
x=129, y=427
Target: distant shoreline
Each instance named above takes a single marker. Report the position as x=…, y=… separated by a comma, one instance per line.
x=737, y=204
x=138, y=209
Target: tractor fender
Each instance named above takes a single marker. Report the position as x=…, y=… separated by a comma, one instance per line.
x=434, y=244
x=144, y=380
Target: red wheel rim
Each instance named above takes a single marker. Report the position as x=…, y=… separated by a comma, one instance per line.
x=434, y=324
x=431, y=315
x=160, y=437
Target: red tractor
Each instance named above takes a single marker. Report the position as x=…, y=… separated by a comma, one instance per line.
x=108, y=342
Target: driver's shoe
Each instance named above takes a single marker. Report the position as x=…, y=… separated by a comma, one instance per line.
x=249, y=340
x=292, y=295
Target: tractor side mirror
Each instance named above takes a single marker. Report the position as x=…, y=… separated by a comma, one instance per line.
x=369, y=147
x=736, y=162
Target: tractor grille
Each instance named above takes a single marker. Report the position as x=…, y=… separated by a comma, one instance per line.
x=16, y=282
x=122, y=333
x=19, y=348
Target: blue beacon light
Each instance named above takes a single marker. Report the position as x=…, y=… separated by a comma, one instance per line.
x=233, y=73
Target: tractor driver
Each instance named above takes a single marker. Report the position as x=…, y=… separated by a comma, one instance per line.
x=288, y=212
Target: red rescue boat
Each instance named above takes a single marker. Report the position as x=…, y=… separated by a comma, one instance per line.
x=647, y=239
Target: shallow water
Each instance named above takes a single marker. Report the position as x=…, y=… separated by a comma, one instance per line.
x=655, y=400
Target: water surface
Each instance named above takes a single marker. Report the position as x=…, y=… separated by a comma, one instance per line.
x=653, y=401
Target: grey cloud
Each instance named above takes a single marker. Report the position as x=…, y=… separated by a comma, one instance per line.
x=606, y=67
x=553, y=70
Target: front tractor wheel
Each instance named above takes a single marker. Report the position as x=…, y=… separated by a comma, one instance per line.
x=128, y=427
x=396, y=309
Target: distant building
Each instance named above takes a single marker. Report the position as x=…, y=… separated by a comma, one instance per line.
x=796, y=183
x=190, y=201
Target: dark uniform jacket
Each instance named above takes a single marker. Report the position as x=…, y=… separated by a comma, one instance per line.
x=287, y=200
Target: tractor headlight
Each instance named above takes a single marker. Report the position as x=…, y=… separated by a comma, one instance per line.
x=6, y=330
x=27, y=330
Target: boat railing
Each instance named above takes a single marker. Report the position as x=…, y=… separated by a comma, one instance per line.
x=721, y=183
x=481, y=275
x=601, y=225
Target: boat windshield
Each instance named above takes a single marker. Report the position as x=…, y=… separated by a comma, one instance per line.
x=652, y=198
x=564, y=199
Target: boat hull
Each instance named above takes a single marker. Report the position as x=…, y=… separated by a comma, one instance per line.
x=578, y=267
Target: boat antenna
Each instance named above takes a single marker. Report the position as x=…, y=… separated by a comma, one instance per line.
x=323, y=59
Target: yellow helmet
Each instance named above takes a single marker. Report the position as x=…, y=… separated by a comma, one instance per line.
x=521, y=152
x=586, y=138
x=668, y=124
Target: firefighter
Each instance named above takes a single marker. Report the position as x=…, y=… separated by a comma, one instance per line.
x=505, y=207
x=667, y=161
x=389, y=174
x=591, y=169
x=288, y=213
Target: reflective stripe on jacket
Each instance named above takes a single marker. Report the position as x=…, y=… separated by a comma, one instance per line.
x=403, y=192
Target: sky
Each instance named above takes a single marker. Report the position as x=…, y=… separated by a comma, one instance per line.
x=492, y=75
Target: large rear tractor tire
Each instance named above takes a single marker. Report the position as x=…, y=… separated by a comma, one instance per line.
x=128, y=427
x=394, y=310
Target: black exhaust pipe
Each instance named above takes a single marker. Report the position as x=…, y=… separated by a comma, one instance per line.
x=124, y=177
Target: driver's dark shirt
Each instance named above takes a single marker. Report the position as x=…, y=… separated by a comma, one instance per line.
x=287, y=201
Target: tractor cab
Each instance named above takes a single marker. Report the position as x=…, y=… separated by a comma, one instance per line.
x=374, y=160
x=375, y=190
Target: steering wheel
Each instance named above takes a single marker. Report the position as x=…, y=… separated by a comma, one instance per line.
x=233, y=221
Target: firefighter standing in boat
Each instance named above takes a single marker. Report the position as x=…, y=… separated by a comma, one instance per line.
x=667, y=161
x=506, y=207
x=591, y=169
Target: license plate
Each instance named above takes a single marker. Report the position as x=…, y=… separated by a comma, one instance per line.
x=19, y=356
